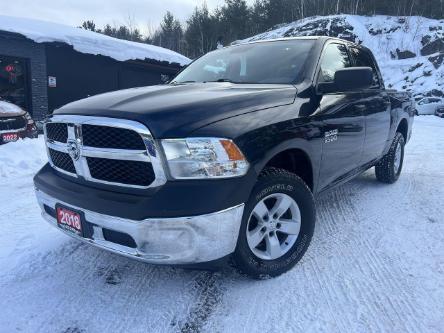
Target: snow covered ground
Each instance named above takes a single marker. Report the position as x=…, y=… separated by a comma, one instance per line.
x=376, y=264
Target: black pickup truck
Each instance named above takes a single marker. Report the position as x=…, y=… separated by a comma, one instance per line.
x=223, y=162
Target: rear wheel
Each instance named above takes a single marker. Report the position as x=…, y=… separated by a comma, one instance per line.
x=277, y=225
x=390, y=166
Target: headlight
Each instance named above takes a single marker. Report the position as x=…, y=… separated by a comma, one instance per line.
x=202, y=158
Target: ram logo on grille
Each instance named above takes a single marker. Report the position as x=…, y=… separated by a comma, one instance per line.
x=105, y=150
x=73, y=150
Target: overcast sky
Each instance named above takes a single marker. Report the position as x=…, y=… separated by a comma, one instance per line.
x=146, y=13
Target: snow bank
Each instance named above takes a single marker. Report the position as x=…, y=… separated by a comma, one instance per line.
x=409, y=50
x=22, y=158
x=87, y=41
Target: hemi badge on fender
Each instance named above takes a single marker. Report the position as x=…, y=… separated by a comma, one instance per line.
x=331, y=136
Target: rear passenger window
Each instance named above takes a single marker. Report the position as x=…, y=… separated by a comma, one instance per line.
x=334, y=58
x=363, y=59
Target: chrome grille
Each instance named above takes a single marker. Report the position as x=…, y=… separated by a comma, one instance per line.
x=62, y=161
x=111, y=137
x=13, y=124
x=126, y=172
x=57, y=132
x=104, y=150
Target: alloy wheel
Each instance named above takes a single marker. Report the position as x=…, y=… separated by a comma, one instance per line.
x=273, y=226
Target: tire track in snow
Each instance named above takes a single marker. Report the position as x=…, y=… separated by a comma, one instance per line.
x=210, y=293
x=402, y=307
x=342, y=232
x=39, y=262
x=133, y=296
x=337, y=213
x=374, y=266
x=387, y=271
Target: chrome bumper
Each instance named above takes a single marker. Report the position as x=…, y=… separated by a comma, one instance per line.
x=180, y=240
x=14, y=130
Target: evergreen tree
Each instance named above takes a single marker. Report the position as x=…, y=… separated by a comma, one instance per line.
x=259, y=17
x=170, y=34
x=235, y=20
x=89, y=25
x=202, y=32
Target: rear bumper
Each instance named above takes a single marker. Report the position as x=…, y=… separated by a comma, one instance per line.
x=177, y=240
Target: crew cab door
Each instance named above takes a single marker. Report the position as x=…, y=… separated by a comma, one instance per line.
x=342, y=121
x=376, y=109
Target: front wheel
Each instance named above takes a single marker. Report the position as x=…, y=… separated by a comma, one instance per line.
x=277, y=225
x=389, y=167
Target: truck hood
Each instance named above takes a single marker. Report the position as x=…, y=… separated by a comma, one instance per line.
x=10, y=110
x=172, y=111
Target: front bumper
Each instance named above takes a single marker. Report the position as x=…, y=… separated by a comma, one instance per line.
x=178, y=240
x=21, y=132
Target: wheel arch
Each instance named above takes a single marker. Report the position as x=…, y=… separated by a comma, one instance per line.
x=294, y=160
x=403, y=128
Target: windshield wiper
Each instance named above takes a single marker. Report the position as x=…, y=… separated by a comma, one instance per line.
x=222, y=80
x=219, y=80
x=231, y=81
x=179, y=82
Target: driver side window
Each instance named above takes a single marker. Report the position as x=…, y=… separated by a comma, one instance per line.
x=335, y=57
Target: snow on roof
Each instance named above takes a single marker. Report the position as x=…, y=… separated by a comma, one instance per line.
x=85, y=41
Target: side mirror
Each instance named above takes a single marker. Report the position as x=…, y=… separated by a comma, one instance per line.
x=348, y=79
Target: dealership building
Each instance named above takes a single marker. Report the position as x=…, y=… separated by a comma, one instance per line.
x=45, y=65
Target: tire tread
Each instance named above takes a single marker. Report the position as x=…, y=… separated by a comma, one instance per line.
x=384, y=170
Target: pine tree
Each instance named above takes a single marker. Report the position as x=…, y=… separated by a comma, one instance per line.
x=170, y=33
x=89, y=25
x=234, y=19
x=202, y=32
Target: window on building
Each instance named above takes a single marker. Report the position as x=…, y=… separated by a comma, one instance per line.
x=13, y=78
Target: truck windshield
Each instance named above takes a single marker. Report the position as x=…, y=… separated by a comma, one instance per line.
x=280, y=62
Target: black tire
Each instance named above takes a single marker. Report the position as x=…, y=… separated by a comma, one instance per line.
x=276, y=181
x=385, y=170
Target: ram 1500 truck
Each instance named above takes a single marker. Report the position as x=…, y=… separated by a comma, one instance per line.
x=223, y=162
